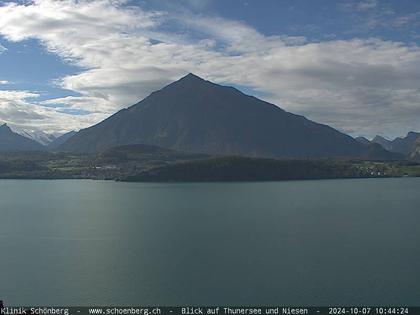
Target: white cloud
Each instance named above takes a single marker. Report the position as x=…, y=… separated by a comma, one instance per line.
x=4, y=82
x=359, y=5
x=359, y=86
x=366, y=5
x=371, y=15
x=407, y=20
x=18, y=110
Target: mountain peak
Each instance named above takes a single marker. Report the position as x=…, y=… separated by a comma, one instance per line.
x=363, y=140
x=412, y=134
x=5, y=127
x=191, y=77
x=190, y=82
x=11, y=141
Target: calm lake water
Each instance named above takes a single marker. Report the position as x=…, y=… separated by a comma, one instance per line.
x=81, y=242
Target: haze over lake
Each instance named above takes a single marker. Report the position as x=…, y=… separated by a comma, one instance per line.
x=327, y=242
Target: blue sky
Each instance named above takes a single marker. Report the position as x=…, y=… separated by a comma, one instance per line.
x=350, y=64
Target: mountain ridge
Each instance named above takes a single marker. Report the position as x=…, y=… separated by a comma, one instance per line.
x=35, y=134
x=12, y=141
x=403, y=145
x=198, y=116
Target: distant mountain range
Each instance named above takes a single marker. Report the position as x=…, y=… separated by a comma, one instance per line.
x=197, y=116
x=11, y=141
x=194, y=115
x=18, y=139
x=409, y=146
x=34, y=134
x=400, y=145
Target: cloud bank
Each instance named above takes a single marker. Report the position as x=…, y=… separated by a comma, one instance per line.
x=360, y=86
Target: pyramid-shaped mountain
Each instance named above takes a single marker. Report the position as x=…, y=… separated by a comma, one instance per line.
x=195, y=115
x=11, y=141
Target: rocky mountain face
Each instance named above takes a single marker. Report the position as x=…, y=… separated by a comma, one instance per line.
x=406, y=145
x=36, y=135
x=195, y=115
x=415, y=152
x=385, y=143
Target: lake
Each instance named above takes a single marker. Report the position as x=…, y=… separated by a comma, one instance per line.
x=82, y=242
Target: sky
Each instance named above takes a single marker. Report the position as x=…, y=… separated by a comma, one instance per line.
x=354, y=65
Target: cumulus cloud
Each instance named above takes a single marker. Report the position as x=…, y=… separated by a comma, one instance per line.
x=359, y=86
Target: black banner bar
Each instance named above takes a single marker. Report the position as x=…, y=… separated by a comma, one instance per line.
x=210, y=310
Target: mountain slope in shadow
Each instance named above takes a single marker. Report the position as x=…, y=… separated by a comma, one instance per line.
x=195, y=115
x=11, y=141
